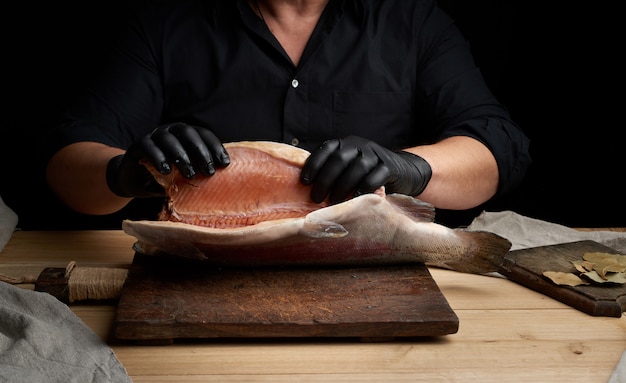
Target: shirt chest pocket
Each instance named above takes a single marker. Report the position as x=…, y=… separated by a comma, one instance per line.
x=384, y=117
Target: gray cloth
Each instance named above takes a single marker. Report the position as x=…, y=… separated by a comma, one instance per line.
x=525, y=232
x=619, y=375
x=8, y=222
x=42, y=340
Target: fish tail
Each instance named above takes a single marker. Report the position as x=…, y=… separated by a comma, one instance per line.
x=484, y=254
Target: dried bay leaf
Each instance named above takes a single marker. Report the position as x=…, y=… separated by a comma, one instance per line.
x=604, y=263
x=608, y=278
x=561, y=278
x=603, y=269
x=598, y=257
x=596, y=267
x=583, y=266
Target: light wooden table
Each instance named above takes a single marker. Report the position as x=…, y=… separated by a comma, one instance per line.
x=507, y=333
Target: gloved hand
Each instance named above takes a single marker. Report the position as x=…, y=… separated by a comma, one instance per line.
x=189, y=148
x=354, y=165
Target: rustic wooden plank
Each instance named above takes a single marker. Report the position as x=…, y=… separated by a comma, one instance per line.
x=382, y=362
x=526, y=267
x=164, y=300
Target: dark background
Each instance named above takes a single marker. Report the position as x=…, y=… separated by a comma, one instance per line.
x=554, y=67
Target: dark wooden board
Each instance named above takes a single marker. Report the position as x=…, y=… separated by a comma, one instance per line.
x=163, y=300
x=526, y=267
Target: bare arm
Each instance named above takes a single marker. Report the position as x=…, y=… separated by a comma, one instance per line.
x=77, y=175
x=464, y=173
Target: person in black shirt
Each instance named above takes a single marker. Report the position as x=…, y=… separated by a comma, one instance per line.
x=381, y=92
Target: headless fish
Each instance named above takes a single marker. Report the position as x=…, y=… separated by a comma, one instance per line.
x=255, y=212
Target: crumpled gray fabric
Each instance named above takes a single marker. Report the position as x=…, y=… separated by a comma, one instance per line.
x=619, y=375
x=43, y=341
x=525, y=232
x=8, y=222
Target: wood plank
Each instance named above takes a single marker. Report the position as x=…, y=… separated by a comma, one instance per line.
x=558, y=361
x=503, y=325
x=112, y=248
x=526, y=267
x=171, y=299
x=492, y=375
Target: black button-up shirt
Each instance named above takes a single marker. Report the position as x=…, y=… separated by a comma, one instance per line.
x=398, y=72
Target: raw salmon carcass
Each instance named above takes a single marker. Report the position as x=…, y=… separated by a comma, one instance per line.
x=255, y=212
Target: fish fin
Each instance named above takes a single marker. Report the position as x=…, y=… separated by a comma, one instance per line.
x=415, y=208
x=322, y=229
x=487, y=256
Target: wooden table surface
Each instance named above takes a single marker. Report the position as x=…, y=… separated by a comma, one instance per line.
x=507, y=333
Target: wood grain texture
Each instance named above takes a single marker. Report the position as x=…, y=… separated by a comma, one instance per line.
x=507, y=333
x=170, y=299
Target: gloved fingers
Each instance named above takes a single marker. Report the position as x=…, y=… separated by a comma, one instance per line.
x=148, y=149
x=197, y=151
x=174, y=150
x=215, y=147
x=329, y=176
x=351, y=180
x=357, y=165
x=203, y=148
x=376, y=178
x=317, y=160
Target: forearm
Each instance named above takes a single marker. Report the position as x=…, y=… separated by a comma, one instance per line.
x=76, y=174
x=464, y=173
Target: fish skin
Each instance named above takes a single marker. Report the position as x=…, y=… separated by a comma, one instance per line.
x=372, y=229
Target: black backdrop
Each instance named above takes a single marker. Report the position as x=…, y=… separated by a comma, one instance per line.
x=555, y=68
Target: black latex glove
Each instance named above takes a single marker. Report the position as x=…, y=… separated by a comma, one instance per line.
x=354, y=166
x=191, y=149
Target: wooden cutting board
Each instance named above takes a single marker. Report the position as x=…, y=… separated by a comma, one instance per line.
x=163, y=300
x=526, y=267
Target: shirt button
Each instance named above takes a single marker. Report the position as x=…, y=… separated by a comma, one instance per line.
x=294, y=83
x=295, y=142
